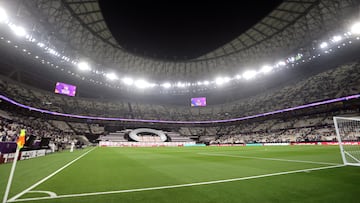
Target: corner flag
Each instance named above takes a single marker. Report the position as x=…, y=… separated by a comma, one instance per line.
x=21, y=140
x=20, y=143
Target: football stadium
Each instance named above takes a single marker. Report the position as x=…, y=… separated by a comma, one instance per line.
x=94, y=108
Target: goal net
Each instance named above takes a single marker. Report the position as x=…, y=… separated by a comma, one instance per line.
x=348, y=135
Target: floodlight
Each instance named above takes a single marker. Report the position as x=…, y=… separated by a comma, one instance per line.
x=222, y=80
x=199, y=83
x=336, y=38
x=291, y=59
x=206, y=82
x=111, y=76
x=355, y=28
x=152, y=85
x=166, y=85
x=83, y=66
x=39, y=44
x=227, y=79
x=249, y=74
x=30, y=38
x=238, y=76
x=3, y=16
x=53, y=52
x=219, y=80
x=19, y=31
x=323, y=45
x=266, y=69
x=281, y=63
x=128, y=81
x=179, y=84
x=141, y=84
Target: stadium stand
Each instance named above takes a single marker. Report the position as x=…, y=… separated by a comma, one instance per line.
x=337, y=82
x=118, y=136
x=309, y=126
x=59, y=132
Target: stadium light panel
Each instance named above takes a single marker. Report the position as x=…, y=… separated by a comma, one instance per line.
x=141, y=84
x=355, y=28
x=238, y=77
x=206, y=82
x=111, y=76
x=166, y=85
x=128, y=81
x=179, y=84
x=281, y=63
x=323, y=45
x=219, y=80
x=30, y=38
x=53, y=52
x=266, y=69
x=249, y=74
x=83, y=66
x=18, y=30
x=3, y=16
x=291, y=59
x=336, y=38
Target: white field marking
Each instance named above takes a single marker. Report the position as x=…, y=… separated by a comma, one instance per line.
x=47, y=177
x=176, y=186
x=51, y=194
x=270, y=159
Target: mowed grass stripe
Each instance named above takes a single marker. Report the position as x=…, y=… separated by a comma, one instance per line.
x=268, y=159
x=174, y=166
x=306, y=153
x=108, y=169
x=178, y=186
x=30, y=171
x=51, y=175
x=323, y=186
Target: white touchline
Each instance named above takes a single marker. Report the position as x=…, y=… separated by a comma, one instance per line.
x=47, y=177
x=270, y=159
x=177, y=186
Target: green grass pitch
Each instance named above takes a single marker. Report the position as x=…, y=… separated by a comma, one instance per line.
x=188, y=174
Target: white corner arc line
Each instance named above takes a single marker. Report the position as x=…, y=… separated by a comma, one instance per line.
x=51, y=194
x=178, y=186
x=270, y=159
x=47, y=177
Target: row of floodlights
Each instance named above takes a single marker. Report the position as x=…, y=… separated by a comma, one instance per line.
x=142, y=83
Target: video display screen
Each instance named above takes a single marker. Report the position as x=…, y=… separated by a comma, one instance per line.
x=66, y=89
x=198, y=101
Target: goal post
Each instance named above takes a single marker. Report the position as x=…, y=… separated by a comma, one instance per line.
x=348, y=135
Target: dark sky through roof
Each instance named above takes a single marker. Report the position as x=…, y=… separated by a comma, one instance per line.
x=180, y=30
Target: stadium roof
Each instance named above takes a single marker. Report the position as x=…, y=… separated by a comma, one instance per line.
x=293, y=24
